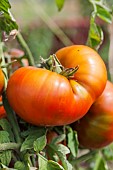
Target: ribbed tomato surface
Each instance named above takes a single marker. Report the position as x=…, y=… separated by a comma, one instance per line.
x=43, y=97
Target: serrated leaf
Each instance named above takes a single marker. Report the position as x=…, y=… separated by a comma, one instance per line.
x=104, y=14
x=72, y=141
x=7, y=23
x=60, y=4
x=34, y=134
x=4, y=137
x=40, y=143
x=52, y=165
x=6, y=126
x=5, y=157
x=42, y=162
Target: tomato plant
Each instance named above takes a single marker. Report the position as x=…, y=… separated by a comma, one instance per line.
x=60, y=91
x=96, y=127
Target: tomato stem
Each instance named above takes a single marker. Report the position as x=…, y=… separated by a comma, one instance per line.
x=69, y=72
x=9, y=146
x=84, y=157
x=12, y=119
x=26, y=48
x=53, y=64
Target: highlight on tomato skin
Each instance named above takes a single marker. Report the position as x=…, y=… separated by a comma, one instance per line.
x=46, y=98
x=95, y=129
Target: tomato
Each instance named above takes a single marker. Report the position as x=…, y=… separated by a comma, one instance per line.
x=2, y=81
x=95, y=129
x=2, y=110
x=49, y=99
x=91, y=74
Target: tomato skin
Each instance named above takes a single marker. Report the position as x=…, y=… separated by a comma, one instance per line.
x=92, y=74
x=44, y=97
x=2, y=110
x=2, y=81
x=95, y=129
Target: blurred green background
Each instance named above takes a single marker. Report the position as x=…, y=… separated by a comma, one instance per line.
x=45, y=29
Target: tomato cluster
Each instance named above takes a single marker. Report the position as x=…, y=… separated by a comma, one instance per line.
x=47, y=98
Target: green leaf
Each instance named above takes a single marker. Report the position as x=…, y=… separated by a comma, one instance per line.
x=42, y=162
x=95, y=37
x=100, y=163
x=61, y=151
x=72, y=141
x=60, y=4
x=4, y=137
x=5, y=156
x=20, y=166
x=52, y=165
x=62, y=148
x=108, y=152
x=104, y=14
x=34, y=134
x=6, y=126
x=58, y=139
x=40, y=143
x=7, y=22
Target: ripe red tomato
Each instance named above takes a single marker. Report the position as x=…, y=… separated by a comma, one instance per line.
x=91, y=74
x=2, y=81
x=50, y=99
x=95, y=129
x=2, y=110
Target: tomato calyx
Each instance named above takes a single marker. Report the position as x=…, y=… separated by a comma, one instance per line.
x=53, y=64
x=69, y=72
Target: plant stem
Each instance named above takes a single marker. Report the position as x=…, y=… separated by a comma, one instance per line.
x=26, y=48
x=12, y=119
x=110, y=58
x=98, y=160
x=3, y=63
x=84, y=157
x=9, y=146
